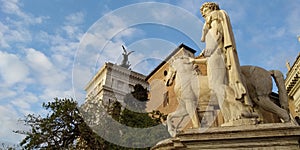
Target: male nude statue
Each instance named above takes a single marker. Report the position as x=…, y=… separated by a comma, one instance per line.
x=223, y=68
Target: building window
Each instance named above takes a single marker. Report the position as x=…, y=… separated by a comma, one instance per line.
x=166, y=99
x=165, y=73
x=112, y=83
x=120, y=84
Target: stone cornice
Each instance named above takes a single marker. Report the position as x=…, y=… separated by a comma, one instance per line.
x=125, y=71
x=117, y=91
x=293, y=77
x=119, y=69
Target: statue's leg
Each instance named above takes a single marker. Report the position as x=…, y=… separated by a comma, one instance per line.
x=192, y=111
x=266, y=103
x=180, y=112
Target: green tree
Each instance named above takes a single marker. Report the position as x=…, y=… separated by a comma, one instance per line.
x=134, y=115
x=62, y=128
x=67, y=126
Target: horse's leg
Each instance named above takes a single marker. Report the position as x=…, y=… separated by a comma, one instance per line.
x=179, y=123
x=192, y=112
x=170, y=126
x=180, y=112
x=279, y=80
x=265, y=102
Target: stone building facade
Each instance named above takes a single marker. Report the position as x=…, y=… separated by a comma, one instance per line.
x=162, y=98
x=292, y=83
x=112, y=82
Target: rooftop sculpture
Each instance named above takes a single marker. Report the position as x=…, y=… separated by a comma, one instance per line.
x=125, y=63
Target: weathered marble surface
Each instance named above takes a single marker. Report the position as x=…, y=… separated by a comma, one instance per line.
x=186, y=90
x=236, y=89
x=248, y=137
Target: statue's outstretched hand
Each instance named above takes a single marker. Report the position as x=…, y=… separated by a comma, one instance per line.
x=202, y=53
x=192, y=60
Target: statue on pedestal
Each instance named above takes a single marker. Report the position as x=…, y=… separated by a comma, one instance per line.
x=223, y=69
x=229, y=83
x=239, y=90
x=125, y=63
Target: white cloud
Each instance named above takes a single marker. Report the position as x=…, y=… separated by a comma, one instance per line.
x=50, y=93
x=109, y=26
x=102, y=43
x=148, y=51
x=72, y=25
x=6, y=93
x=81, y=76
x=11, y=34
x=104, y=40
x=30, y=76
x=70, y=30
x=38, y=61
x=9, y=122
x=64, y=62
x=14, y=26
x=75, y=18
x=12, y=69
x=11, y=7
x=3, y=36
x=43, y=69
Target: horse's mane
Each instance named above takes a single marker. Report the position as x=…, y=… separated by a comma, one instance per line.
x=195, y=71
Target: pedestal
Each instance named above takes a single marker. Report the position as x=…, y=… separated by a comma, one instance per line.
x=255, y=137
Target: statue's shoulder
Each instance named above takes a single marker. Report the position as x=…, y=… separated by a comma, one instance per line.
x=217, y=15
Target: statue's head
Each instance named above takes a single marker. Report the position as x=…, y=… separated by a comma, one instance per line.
x=208, y=6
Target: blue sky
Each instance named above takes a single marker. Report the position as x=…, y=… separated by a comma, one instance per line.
x=43, y=44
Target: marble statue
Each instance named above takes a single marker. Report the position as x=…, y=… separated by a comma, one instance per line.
x=125, y=63
x=223, y=69
x=236, y=92
x=259, y=85
x=218, y=37
x=186, y=89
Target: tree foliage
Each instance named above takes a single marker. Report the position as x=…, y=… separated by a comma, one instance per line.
x=62, y=128
x=134, y=115
x=67, y=127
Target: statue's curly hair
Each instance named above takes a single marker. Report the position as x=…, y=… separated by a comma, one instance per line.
x=210, y=5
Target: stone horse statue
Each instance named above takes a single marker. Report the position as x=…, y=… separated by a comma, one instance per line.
x=259, y=85
x=186, y=90
x=258, y=82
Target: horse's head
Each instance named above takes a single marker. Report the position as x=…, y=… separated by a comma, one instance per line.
x=177, y=64
x=170, y=75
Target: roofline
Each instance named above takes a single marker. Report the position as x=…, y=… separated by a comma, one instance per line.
x=297, y=58
x=168, y=57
